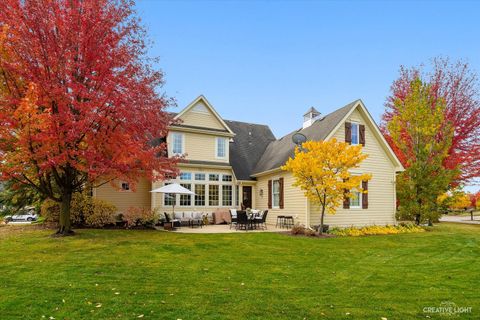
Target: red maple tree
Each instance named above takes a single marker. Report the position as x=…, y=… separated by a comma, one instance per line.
x=78, y=98
x=457, y=83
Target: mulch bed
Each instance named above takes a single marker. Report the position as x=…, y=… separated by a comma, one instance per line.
x=325, y=235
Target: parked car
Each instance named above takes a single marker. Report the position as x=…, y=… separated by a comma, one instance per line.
x=23, y=215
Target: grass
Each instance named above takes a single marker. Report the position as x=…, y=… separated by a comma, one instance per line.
x=119, y=274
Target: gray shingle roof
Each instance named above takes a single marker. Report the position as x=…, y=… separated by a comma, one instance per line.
x=248, y=145
x=279, y=151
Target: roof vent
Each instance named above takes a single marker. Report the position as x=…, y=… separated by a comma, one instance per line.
x=310, y=117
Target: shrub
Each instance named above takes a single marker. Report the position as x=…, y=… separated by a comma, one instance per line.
x=81, y=202
x=99, y=214
x=136, y=216
x=309, y=232
x=84, y=210
x=297, y=229
x=50, y=211
x=375, y=230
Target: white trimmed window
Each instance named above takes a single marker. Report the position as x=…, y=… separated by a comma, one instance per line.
x=214, y=177
x=226, y=177
x=356, y=200
x=186, y=199
x=355, y=133
x=177, y=143
x=213, y=195
x=200, y=176
x=237, y=195
x=200, y=195
x=221, y=148
x=185, y=176
x=227, y=195
x=125, y=186
x=276, y=193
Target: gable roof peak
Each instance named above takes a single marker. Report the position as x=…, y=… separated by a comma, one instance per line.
x=202, y=98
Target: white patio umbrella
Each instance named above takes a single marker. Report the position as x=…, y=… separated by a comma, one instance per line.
x=173, y=188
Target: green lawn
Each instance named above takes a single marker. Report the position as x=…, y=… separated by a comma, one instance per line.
x=117, y=274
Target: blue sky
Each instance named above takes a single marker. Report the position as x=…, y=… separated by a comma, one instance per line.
x=268, y=62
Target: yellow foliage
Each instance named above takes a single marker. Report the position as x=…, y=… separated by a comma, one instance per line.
x=376, y=230
x=461, y=201
x=322, y=170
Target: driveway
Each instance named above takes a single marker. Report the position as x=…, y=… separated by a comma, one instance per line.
x=460, y=219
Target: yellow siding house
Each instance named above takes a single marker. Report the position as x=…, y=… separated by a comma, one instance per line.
x=232, y=164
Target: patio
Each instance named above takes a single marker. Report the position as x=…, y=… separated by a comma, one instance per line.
x=223, y=228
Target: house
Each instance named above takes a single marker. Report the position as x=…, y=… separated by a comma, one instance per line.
x=230, y=163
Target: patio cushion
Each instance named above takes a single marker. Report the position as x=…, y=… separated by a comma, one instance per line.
x=178, y=215
x=233, y=212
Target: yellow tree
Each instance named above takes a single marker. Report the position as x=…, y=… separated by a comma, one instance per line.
x=461, y=201
x=322, y=170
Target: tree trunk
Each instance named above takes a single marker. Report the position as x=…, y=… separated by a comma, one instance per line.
x=65, y=226
x=320, y=230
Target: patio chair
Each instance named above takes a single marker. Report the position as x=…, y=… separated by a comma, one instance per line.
x=243, y=223
x=197, y=220
x=233, y=217
x=263, y=220
x=176, y=223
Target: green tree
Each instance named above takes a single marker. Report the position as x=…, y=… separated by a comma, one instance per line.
x=421, y=132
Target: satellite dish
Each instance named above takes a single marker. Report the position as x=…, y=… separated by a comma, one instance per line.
x=299, y=138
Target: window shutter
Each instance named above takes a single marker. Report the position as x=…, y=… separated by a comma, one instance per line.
x=361, y=128
x=365, y=195
x=281, y=192
x=348, y=132
x=269, y=194
x=346, y=200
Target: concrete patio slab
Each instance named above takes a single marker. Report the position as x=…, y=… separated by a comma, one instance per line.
x=223, y=228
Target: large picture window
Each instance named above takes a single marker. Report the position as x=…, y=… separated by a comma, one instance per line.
x=213, y=195
x=200, y=195
x=186, y=199
x=276, y=193
x=227, y=195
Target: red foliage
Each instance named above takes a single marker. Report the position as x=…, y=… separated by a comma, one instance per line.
x=78, y=95
x=458, y=85
x=474, y=199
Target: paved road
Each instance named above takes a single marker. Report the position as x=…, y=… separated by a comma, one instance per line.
x=461, y=219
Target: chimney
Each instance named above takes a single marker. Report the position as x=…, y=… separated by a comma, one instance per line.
x=310, y=117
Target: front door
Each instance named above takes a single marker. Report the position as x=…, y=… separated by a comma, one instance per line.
x=247, y=197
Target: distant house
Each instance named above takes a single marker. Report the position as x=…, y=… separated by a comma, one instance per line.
x=231, y=163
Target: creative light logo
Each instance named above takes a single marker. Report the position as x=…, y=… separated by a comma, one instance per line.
x=447, y=308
